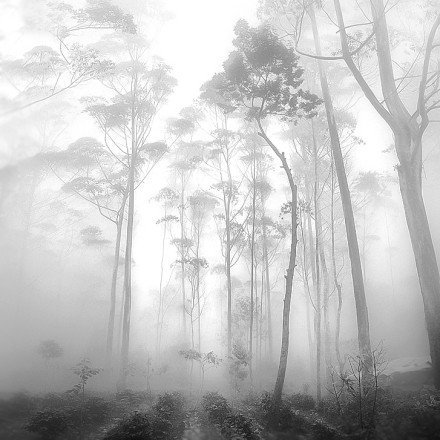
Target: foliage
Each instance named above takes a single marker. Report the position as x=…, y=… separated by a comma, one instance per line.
x=238, y=362
x=301, y=401
x=164, y=422
x=49, y=424
x=130, y=399
x=262, y=75
x=238, y=426
x=85, y=371
x=136, y=426
x=232, y=425
x=216, y=406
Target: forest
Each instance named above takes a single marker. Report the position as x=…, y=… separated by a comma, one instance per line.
x=219, y=220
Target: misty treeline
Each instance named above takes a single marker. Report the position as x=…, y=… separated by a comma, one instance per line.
x=260, y=227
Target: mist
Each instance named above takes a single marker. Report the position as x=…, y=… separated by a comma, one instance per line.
x=219, y=220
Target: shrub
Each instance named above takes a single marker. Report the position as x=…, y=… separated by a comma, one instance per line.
x=237, y=426
x=164, y=422
x=217, y=407
x=93, y=411
x=136, y=426
x=131, y=398
x=169, y=406
x=301, y=401
x=284, y=419
x=49, y=424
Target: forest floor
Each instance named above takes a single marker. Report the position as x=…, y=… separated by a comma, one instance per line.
x=134, y=415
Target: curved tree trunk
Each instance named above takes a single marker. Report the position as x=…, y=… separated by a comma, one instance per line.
x=285, y=338
x=426, y=261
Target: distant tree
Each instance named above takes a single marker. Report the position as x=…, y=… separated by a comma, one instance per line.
x=50, y=350
x=221, y=153
x=140, y=88
x=88, y=170
x=44, y=72
x=201, y=205
x=169, y=200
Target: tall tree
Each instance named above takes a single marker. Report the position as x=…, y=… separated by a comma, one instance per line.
x=92, y=173
x=263, y=78
x=221, y=152
x=126, y=121
x=408, y=127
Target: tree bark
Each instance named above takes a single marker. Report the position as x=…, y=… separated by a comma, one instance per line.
x=408, y=133
x=426, y=262
x=251, y=323
x=112, y=312
x=335, y=274
x=125, y=345
x=353, y=245
x=268, y=292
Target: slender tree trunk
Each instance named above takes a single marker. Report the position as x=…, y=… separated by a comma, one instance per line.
x=287, y=300
x=126, y=324
x=325, y=309
x=228, y=280
x=112, y=312
x=353, y=246
x=268, y=291
x=125, y=346
x=284, y=353
x=160, y=306
x=318, y=312
x=182, y=257
x=335, y=273
x=199, y=310
x=251, y=323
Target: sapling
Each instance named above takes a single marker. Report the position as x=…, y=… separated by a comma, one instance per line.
x=84, y=371
x=206, y=360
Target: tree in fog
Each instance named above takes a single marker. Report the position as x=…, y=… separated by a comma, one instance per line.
x=169, y=200
x=201, y=206
x=140, y=87
x=260, y=77
x=408, y=126
x=292, y=11
x=47, y=71
x=92, y=173
x=221, y=152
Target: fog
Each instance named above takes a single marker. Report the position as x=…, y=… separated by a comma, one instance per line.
x=219, y=219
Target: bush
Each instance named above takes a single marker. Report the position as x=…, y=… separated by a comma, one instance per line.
x=217, y=407
x=164, y=422
x=94, y=411
x=136, y=426
x=237, y=426
x=283, y=420
x=132, y=399
x=301, y=401
x=169, y=406
x=49, y=424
